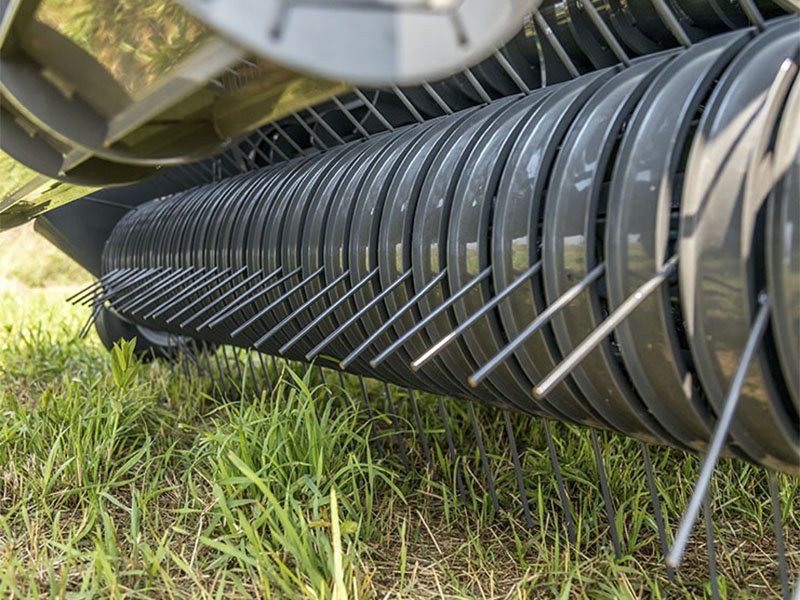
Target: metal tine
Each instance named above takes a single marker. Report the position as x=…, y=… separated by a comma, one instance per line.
x=265, y=370
x=293, y=315
x=421, y=434
x=371, y=415
x=272, y=144
x=324, y=382
x=234, y=303
x=536, y=325
x=407, y=103
x=608, y=501
x=220, y=372
x=324, y=124
x=656, y=502
x=171, y=339
x=562, y=490
x=372, y=109
x=711, y=548
x=608, y=325
x=437, y=98
x=84, y=331
x=451, y=450
x=137, y=278
x=753, y=14
x=219, y=285
x=237, y=362
x=256, y=387
x=200, y=284
x=473, y=318
x=357, y=315
x=246, y=298
x=293, y=290
x=419, y=325
x=398, y=430
x=131, y=288
x=476, y=85
x=601, y=26
x=671, y=22
x=720, y=434
x=288, y=138
x=487, y=470
x=780, y=543
x=308, y=130
x=318, y=319
x=511, y=72
x=387, y=324
x=191, y=274
x=523, y=493
x=551, y=38
x=350, y=117
x=132, y=300
x=204, y=356
x=92, y=287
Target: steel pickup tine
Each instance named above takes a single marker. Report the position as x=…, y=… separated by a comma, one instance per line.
x=487, y=470
x=428, y=287
x=338, y=331
x=421, y=324
x=608, y=502
x=293, y=290
x=190, y=275
x=324, y=314
x=556, y=45
x=511, y=72
x=656, y=502
x=127, y=285
x=423, y=436
x=562, y=490
x=523, y=493
x=711, y=548
x=671, y=22
x=207, y=279
x=371, y=415
x=780, y=542
x=246, y=298
x=121, y=277
x=604, y=329
x=136, y=301
x=90, y=289
x=134, y=285
x=605, y=32
x=265, y=370
x=753, y=14
x=398, y=430
x=302, y=307
x=219, y=285
x=451, y=449
x=720, y=434
x=536, y=325
x=225, y=296
x=473, y=318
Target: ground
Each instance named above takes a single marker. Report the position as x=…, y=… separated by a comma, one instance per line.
x=144, y=481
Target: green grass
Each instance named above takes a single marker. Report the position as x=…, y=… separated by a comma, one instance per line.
x=154, y=484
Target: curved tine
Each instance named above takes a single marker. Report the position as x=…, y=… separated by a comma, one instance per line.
x=720, y=434
x=398, y=431
x=371, y=414
x=608, y=501
x=671, y=22
x=134, y=286
x=247, y=297
x=371, y=108
x=209, y=277
x=353, y=121
x=195, y=302
x=164, y=283
x=293, y=315
x=265, y=370
x=421, y=434
x=601, y=26
x=476, y=85
x=225, y=295
x=412, y=110
x=123, y=277
x=176, y=284
x=753, y=14
x=135, y=281
x=487, y=470
x=451, y=450
x=511, y=72
x=711, y=548
x=656, y=502
x=308, y=130
x=417, y=326
x=437, y=98
x=562, y=490
x=536, y=324
x=357, y=315
x=256, y=387
x=780, y=543
x=473, y=318
x=556, y=45
x=324, y=124
x=293, y=290
x=608, y=325
x=523, y=492
x=302, y=333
